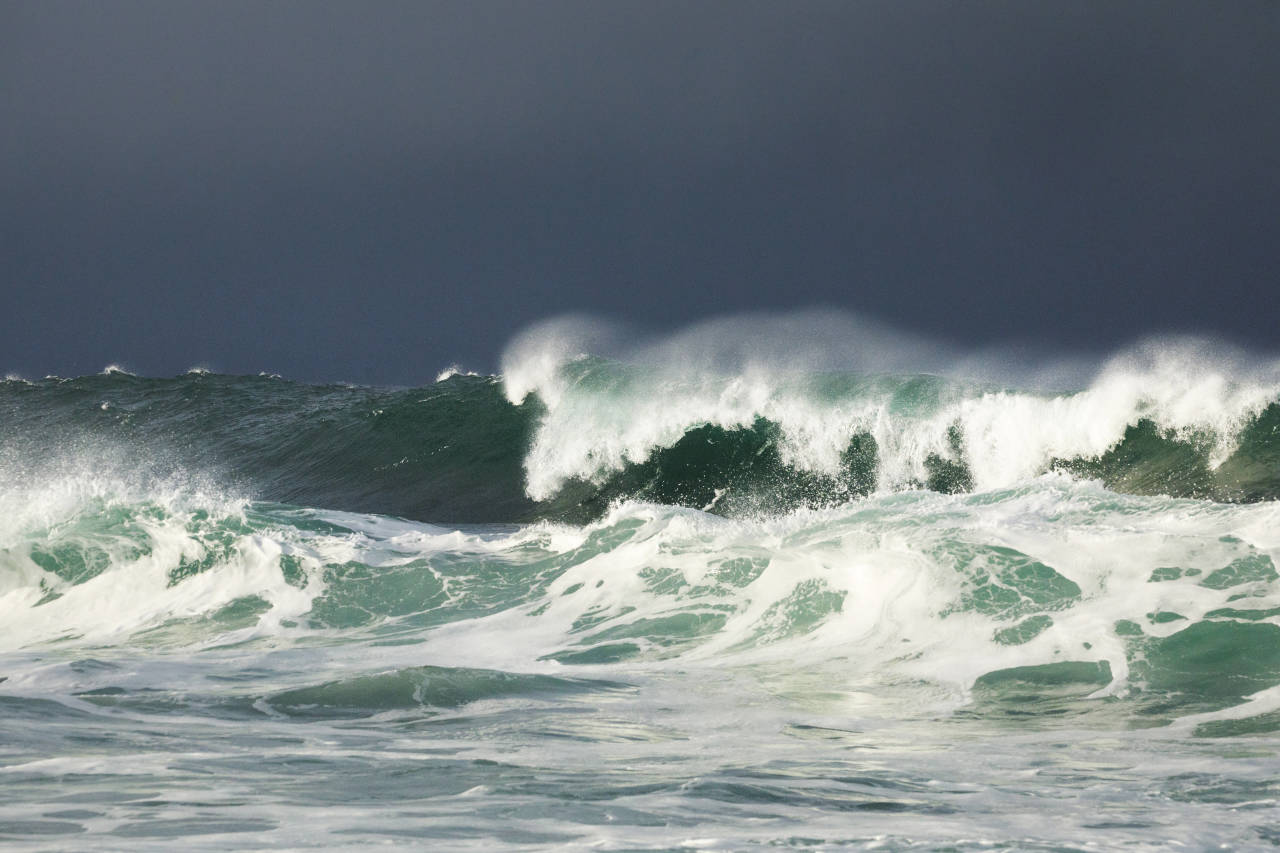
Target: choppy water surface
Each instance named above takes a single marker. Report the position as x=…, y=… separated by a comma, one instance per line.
x=834, y=610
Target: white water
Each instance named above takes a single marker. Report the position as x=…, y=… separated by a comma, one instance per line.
x=593, y=429
x=878, y=583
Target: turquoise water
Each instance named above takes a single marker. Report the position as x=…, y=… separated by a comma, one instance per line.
x=632, y=611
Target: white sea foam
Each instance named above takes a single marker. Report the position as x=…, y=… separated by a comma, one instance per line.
x=871, y=588
x=135, y=529
x=452, y=371
x=730, y=372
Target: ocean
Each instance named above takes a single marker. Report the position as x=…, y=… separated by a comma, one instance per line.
x=608, y=604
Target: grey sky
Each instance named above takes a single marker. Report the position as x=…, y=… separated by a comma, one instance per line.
x=369, y=191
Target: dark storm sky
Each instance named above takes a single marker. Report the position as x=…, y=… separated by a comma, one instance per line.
x=369, y=191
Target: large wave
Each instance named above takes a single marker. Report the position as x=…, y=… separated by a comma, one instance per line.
x=564, y=434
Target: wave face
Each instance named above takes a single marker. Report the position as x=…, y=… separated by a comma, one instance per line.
x=451, y=451
x=644, y=603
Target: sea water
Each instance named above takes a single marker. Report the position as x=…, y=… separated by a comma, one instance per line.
x=644, y=603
